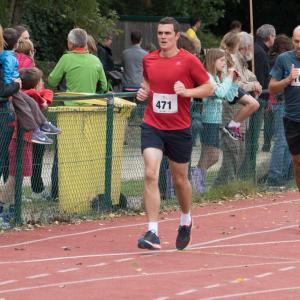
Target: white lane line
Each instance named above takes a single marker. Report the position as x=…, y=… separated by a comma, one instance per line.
x=8, y=282
x=264, y=275
x=143, y=224
x=162, y=251
x=38, y=276
x=287, y=269
x=124, y=259
x=242, y=235
x=124, y=277
x=292, y=288
x=187, y=292
x=212, y=286
x=67, y=270
x=97, y=265
x=161, y=298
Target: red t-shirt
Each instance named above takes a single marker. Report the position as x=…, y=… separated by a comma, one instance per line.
x=165, y=110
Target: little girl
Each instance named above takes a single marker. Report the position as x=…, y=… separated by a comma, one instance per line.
x=226, y=89
x=25, y=54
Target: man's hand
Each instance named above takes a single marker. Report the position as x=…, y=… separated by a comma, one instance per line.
x=19, y=81
x=143, y=92
x=257, y=88
x=44, y=106
x=180, y=89
x=293, y=74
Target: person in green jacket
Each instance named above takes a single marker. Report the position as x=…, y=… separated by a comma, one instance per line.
x=82, y=70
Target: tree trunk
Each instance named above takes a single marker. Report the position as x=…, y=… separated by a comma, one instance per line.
x=16, y=12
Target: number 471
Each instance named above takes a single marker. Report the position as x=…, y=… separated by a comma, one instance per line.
x=163, y=104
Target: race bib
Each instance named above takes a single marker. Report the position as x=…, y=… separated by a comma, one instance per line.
x=296, y=82
x=165, y=103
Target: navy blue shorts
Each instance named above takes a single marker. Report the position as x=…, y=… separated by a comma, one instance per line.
x=292, y=134
x=241, y=93
x=177, y=145
x=210, y=134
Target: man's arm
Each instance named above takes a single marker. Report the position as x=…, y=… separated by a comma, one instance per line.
x=204, y=90
x=103, y=80
x=57, y=73
x=144, y=91
x=277, y=86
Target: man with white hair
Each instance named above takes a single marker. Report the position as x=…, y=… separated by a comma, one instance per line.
x=285, y=77
x=81, y=69
x=234, y=151
x=264, y=40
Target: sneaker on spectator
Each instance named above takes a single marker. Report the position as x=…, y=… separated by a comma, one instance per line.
x=39, y=137
x=149, y=241
x=49, y=128
x=233, y=132
x=183, y=236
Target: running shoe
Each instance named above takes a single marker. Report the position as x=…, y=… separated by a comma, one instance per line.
x=39, y=137
x=49, y=128
x=183, y=236
x=149, y=241
x=233, y=132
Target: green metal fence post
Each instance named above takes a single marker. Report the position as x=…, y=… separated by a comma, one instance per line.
x=19, y=176
x=109, y=148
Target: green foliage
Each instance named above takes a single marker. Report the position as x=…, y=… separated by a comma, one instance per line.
x=209, y=40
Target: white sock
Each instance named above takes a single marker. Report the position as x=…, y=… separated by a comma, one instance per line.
x=153, y=226
x=234, y=124
x=185, y=219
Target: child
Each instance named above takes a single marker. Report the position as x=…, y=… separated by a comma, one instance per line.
x=32, y=85
x=29, y=115
x=230, y=43
x=25, y=54
x=226, y=89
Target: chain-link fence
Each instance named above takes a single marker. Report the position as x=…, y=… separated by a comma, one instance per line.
x=95, y=165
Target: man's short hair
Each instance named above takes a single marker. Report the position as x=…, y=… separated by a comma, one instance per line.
x=235, y=24
x=11, y=38
x=194, y=20
x=78, y=37
x=170, y=20
x=265, y=31
x=30, y=77
x=136, y=37
x=246, y=39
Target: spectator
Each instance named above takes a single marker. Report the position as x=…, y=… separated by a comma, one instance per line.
x=132, y=62
x=234, y=151
x=6, y=131
x=105, y=53
x=29, y=115
x=281, y=159
x=22, y=32
x=25, y=54
x=91, y=45
x=81, y=69
x=265, y=36
x=230, y=43
x=236, y=26
x=225, y=88
x=195, y=24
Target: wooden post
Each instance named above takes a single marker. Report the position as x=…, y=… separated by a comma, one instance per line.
x=252, y=31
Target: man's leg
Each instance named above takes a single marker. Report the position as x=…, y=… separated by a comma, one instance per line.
x=296, y=161
x=152, y=161
x=184, y=195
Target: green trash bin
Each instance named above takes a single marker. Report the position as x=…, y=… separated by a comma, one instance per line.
x=81, y=151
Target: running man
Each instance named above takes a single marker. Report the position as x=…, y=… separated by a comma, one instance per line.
x=286, y=78
x=172, y=77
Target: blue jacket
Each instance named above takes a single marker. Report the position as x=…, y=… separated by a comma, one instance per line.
x=10, y=65
x=213, y=105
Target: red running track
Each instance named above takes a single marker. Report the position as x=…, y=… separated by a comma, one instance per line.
x=247, y=249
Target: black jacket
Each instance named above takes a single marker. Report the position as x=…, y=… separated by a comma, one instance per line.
x=8, y=90
x=262, y=65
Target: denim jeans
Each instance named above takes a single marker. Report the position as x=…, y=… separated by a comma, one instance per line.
x=281, y=157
